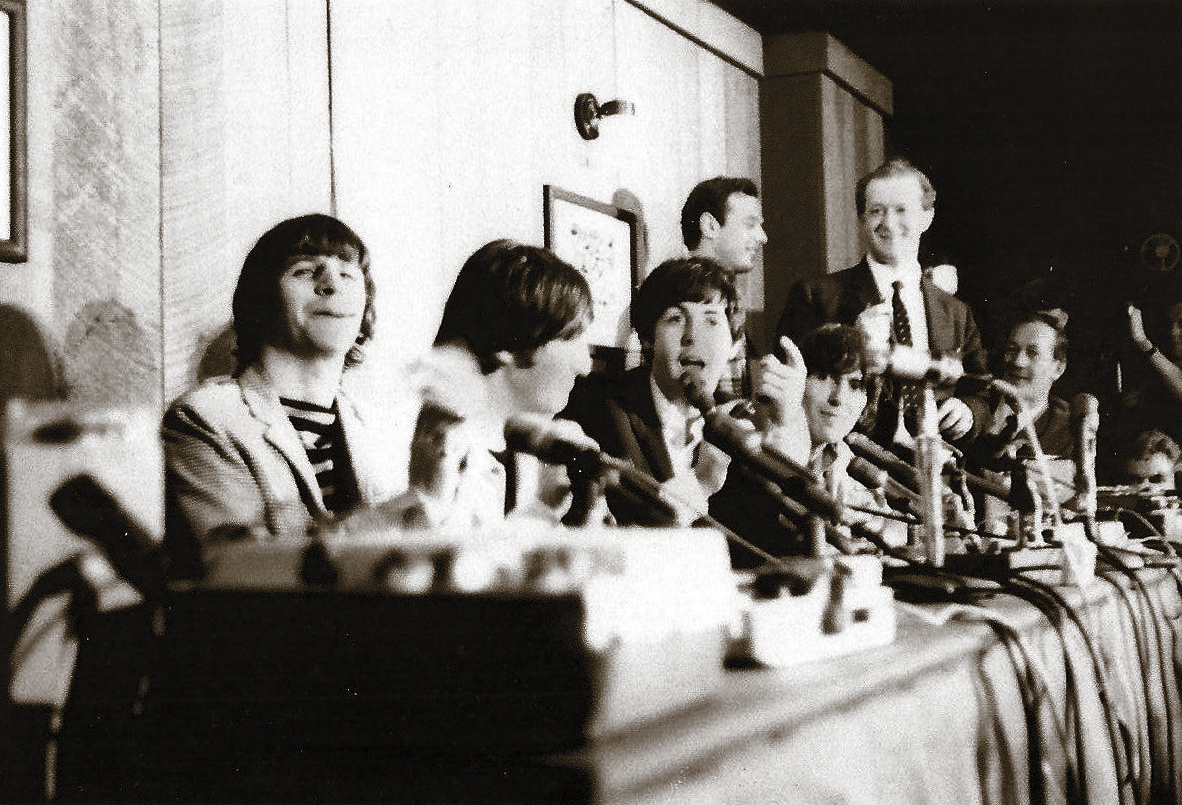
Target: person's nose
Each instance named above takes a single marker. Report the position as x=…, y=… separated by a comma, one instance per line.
x=834, y=393
x=761, y=236
x=689, y=332
x=326, y=283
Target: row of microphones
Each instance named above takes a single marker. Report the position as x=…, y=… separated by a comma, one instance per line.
x=745, y=445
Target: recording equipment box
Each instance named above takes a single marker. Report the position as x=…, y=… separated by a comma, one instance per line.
x=527, y=638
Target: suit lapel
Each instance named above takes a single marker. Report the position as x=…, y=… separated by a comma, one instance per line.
x=940, y=327
x=645, y=444
x=264, y=405
x=859, y=293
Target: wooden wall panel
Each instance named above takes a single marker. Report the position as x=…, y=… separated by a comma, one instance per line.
x=853, y=146
x=822, y=113
x=105, y=251
x=245, y=143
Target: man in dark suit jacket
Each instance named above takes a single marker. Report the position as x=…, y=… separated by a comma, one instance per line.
x=886, y=294
x=685, y=316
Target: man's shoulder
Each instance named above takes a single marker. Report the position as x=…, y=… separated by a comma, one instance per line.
x=211, y=393
x=600, y=387
x=217, y=403
x=837, y=279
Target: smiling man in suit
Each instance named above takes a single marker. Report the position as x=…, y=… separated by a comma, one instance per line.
x=887, y=292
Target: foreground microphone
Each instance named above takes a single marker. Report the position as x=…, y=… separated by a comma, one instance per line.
x=94, y=514
x=746, y=446
x=872, y=477
x=549, y=444
x=898, y=467
x=1085, y=420
x=909, y=363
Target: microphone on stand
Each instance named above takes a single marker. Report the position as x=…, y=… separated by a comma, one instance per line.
x=552, y=446
x=875, y=453
x=746, y=446
x=93, y=513
x=917, y=365
x=1085, y=421
x=873, y=477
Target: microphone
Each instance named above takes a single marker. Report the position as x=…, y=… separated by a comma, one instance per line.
x=866, y=448
x=909, y=363
x=551, y=446
x=877, y=454
x=746, y=446
x=874, y=477
x=94, y=514
x=1085, y=420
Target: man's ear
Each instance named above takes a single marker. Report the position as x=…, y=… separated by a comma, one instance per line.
x=926, y=219
x=708, y=225
x=502, y=357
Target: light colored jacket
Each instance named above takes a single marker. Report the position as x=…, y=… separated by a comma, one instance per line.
x=233, y=460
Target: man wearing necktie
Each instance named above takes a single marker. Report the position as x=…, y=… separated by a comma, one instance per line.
x=887, y=295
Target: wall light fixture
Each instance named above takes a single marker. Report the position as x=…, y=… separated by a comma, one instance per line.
x=588, y=113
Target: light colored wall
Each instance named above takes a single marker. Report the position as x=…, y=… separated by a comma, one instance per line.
x=445, y=141
x=449, y=118
x=166, y=135
x=93, y=272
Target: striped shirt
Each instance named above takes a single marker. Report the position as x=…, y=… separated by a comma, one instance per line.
x=320, y=432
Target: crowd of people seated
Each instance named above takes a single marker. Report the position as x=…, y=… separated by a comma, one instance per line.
x=278, y=448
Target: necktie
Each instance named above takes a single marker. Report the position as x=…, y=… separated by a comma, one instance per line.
x=905, y=394
x=900, y=324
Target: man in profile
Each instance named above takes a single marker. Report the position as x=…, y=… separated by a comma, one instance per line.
x=887, y=294
x=722, y=220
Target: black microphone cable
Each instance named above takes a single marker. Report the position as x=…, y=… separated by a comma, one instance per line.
x=1160, y=788
x=1055, y=607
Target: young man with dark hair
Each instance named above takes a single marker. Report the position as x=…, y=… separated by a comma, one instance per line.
x=511, y=343
x=278, y=446
x=684, y=314
x=722, y=219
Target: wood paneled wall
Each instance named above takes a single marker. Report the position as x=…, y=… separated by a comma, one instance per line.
x=823, y=128
x=166, y=136
x=445, y=141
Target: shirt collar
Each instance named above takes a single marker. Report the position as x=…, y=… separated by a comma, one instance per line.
x=674, y=418
x=884, y=275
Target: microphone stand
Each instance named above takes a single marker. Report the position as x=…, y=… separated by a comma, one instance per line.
x=929, y=467
x=1026, y=422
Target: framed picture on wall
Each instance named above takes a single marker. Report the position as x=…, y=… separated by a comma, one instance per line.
x=13, y=177
x=600, y=240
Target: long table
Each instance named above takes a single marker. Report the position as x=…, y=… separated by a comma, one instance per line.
x=936, y=717
x=989, y=703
